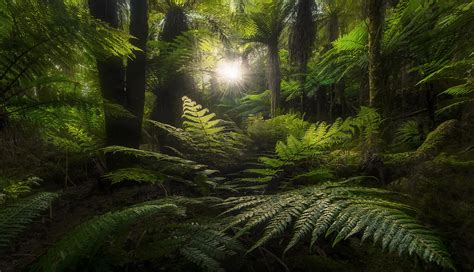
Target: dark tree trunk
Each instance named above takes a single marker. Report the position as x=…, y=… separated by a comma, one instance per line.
x=175, y=85
x=301, y=41
x=376, y=17
x=274, y=77
x=136, y=68
x=111, y=77
x=333, y=29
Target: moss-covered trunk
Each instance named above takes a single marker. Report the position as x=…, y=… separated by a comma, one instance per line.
x=274, y=77
x=375, y=17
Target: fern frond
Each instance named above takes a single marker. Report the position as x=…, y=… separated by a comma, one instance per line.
x=339, y=208
x=16, y=217
x=88, y=237
x=150, y=154
x=205, y=138
x=205, y=246
x=135, y=174
x=317, y=140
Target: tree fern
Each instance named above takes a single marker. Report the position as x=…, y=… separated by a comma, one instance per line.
x=49, y=37
x=340, y=210
x=88, y=237
x=17, y=216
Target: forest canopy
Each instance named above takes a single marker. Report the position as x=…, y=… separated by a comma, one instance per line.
x=236, y=135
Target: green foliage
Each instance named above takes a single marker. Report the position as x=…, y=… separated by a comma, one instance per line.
x=135, y=174
x=340, y=210
x=347, y=55
x=15, y=217
x=315, y=143
x=38, y=50
x=318, y=139
x=418, y=38
x=367, y=126
x=88, y=237
x=160, y=157
x=205, y=246
x=204, y=138
x=199, y=121
x=156, y=168
x=13, y=189
x=268, y=132
x=409, y=133
x=317, y=175
x=266, y=21
x=252, y=104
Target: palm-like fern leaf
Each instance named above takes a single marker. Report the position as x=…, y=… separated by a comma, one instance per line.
x=341, y=209
x=16, y=217
x=90, y=236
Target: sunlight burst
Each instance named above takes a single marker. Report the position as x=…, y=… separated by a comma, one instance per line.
x=229, y=71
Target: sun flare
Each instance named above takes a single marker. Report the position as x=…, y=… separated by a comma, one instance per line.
x=229, y=71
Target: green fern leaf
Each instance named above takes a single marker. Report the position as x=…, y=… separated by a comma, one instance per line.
x=17, y=216
x=89, y=236
x=339, y=208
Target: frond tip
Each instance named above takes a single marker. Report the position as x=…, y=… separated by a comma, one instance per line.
x=16, y=217
x=342, y=210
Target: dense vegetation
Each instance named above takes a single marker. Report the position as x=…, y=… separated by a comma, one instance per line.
x=236, y=135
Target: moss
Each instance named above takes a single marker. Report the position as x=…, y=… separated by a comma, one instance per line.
x=397, y=158
x=435, y=141
x=453, y=162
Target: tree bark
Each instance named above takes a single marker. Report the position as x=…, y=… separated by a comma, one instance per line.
x=111, y=77
x=301, y=41
x=376, y=17
x=274, y=77
x=175, y=85
x=136, y=68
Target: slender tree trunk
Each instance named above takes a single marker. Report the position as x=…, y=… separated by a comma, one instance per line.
x=373, y=164
x=274, y=77
x=376, y=17
x=136, y=68
x=111, y=77
x=175, y=85
x=301, y=41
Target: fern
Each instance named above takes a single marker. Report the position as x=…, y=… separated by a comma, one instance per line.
x=205, y=246
x=88, y=237
x=17, y=216
x=341, y=210
x=135, y=174
x=168, y=168
x=153, y=155
x=200, y=123
x=409, y=133
x=204, y=138
x=317, y=139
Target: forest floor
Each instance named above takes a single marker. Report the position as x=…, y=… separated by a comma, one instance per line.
x=75, y=205
x=442, y=188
